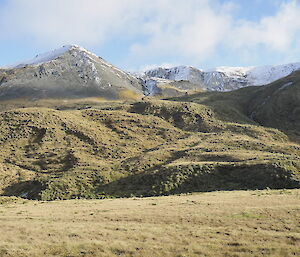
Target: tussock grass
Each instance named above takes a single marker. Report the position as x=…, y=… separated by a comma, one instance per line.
x=129, y=95
x=145, y=148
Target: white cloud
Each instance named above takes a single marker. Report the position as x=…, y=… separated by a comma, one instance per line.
x=278, y=32
x=189, y=28
x=193, y=29
x=95, y=22
x=82, y=21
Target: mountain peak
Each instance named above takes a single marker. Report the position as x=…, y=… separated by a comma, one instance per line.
x=49, y=56
x=69, y=71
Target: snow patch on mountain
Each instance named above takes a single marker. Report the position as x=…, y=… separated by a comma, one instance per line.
x=174, y=73
x=69, y=71
x=52, y=55
x=84, y=64
x=150, y=87
x=225, y=78
x=45, y=57
x=264, y=75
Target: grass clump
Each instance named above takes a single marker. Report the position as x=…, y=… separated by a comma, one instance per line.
x=71, y=186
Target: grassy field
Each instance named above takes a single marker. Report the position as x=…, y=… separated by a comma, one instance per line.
x=233, y=223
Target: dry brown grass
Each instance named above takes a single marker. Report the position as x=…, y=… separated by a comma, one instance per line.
x=57, y=103
x=127, y=94
x=240, y=223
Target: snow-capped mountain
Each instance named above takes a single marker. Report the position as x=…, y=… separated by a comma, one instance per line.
x=46, y=57
x=177, y=73
x=224, y=78
x=69, y=71
x=72, y=71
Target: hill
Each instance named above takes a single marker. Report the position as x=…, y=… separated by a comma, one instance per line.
x=275, y=105
x=97, y=149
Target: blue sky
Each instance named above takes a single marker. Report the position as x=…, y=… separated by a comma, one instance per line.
x=138, y=34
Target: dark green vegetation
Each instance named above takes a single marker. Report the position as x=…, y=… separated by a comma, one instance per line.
x=246, y=139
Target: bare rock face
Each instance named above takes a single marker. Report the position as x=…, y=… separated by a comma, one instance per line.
x=70, y=71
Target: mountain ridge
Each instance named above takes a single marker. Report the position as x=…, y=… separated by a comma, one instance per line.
x=224, y=78
x=72, y=71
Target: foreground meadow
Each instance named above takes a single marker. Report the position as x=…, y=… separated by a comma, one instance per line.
x=237, y=223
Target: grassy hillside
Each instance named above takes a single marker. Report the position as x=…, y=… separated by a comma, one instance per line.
x=248, y=223
x=54, y=149
x=275, y=105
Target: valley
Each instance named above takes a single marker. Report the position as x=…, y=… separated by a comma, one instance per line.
x=72, y=145
x=149, y=128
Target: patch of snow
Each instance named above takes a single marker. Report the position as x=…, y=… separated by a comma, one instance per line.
x=266, y=74
x=286, y=85
x=150, y=87
x=258, y=76
x=45, y=57
x=232, y=71
x=175, y=73
x=225, y=78
x=86, y=67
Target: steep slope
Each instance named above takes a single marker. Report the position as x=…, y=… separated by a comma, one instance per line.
x=224, y=78
x=278, y=104
x=69, y=71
